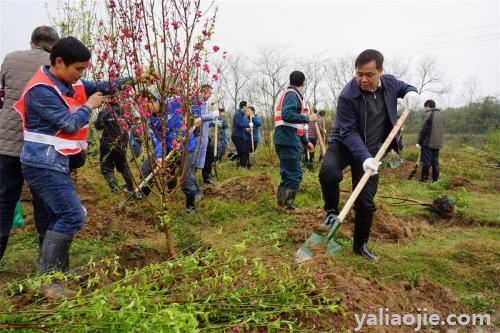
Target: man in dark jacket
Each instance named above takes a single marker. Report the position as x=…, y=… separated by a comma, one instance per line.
x=17, y=69
x=289, y=136
x=366, y=113
x=240, y=124
x=430, y=140
x=113, y=147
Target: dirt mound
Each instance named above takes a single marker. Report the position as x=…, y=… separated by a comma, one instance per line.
x=102, y=221
x=459, y=181
x=386, y=227
x=138, y=255
x=367, y=295
x=242, y=189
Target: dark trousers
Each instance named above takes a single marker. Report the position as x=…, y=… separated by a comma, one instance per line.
x=336, y=159
x=290, y=166
x=242, y=150
x=59, y=208
x=113, y=154
x=147, y=169
x=11, y=183
x=430, y=158
x=209, y=161
x=311, y=153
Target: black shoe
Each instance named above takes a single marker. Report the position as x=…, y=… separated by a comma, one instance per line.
x=281, y=196
x=363, y=251
x=208, y=181
x=331, y=216
x=290, y=198
x=3, y=245
x=190, y=207
x=54, y=256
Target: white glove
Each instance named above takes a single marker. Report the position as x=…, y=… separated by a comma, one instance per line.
x=417, y=145
x=369, y=163
x=411, y=100
x=215, y=113
x=306, y=127
x=250, y=125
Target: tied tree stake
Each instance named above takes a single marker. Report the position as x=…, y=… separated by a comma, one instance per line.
x=165, y=46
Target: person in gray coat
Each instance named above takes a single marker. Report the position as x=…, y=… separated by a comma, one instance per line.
x=17, y=69
x=196, y=158
x=430, y=140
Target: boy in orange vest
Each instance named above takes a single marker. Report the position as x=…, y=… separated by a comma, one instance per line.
x=55, y=110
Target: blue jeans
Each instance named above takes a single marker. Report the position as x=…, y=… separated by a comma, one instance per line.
x=290, y=166
x=430, y=158
x=11, y=183
x=59, y=208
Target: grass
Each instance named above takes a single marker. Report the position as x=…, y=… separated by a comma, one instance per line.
x=463, y=258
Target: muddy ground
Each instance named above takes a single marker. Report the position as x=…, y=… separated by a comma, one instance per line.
x=241, y=189
x=386, y=227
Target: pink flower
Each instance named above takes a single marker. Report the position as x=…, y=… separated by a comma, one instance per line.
x=165, y=24
x=206, y=68
x=219, y=71
x=215, y=77
x=216, y=48
x=175, y=25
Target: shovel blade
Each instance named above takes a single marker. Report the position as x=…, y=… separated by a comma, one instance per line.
x=333, y=247
x=305, y=252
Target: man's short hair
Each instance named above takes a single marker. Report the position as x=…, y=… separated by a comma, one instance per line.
x=243, y=104
x=297, y=78
x=252, y=108
x=222, y=110
x=70, y=50
x=44, y=36
x=370, y=55
x=206, y=85
x=322, y=113
x=430, y=103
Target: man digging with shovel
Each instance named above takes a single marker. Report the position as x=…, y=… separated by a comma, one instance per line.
x=366, y=113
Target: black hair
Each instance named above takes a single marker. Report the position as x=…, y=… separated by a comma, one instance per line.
x=206, y=85
x=252, y=108
x=430, y=103
x=45, y=37
x=70, y=50
x=370, y=55
x=297, y=78
x=322, y=113
x=222, y=110
x=243, y=104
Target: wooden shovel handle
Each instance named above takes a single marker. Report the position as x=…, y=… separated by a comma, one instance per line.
x=377, y=158
x=318, y=132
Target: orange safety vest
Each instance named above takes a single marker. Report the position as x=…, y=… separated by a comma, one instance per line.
x=277, y=113
x=64, y=143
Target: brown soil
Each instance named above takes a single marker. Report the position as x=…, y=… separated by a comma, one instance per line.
x=241, y=189
x=386, y=227
x=367, y=295
x=137, y=255
x=459, y=181
x=101, y=221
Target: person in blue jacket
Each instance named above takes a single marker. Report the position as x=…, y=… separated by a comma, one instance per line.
x=254, y=122
x=289, y=136
x=240, y=125
x=196, y=159
x=173, y=120
x=366, y=113
x=52, y=133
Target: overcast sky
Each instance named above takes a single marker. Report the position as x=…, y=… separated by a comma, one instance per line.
x=463, y=35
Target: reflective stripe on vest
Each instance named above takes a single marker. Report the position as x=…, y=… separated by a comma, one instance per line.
x=277, y=113
x=64, y=143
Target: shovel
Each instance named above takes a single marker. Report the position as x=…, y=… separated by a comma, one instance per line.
x=166, y=160
x=318, y=243
x=415, y=168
